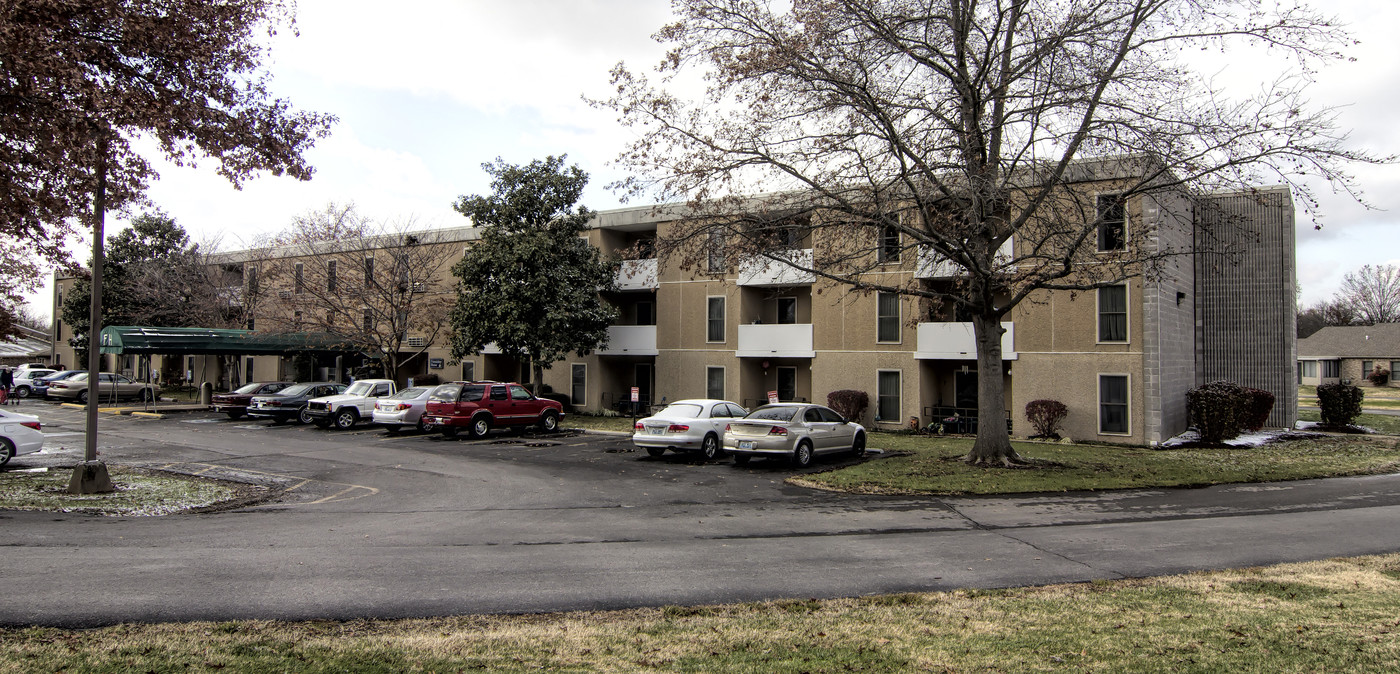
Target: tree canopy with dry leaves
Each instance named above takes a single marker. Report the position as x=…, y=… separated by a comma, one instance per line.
x=90, y=83
x=964, y=133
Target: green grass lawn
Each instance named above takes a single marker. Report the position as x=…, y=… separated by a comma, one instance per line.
x=934, y=466
x=1335, y=616
x=1381, y=423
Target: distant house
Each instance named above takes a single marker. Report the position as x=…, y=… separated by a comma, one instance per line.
x=1348, y=354
x=33, y=346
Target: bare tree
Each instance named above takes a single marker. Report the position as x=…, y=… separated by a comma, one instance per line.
x=970, y=132
x=383, y=288
x=1372, y=294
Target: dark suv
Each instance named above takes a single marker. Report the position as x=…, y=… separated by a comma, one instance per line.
x=477, y=406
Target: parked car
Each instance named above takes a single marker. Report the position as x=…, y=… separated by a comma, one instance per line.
x=24, y=381
x=290, y=403
x=481, y=405
x=795, y=431
x=41, y=385
x=110, y=386
x=404, y=408
x=687, y=426
x=19, y=434
x=235, y=402
x=348, y=408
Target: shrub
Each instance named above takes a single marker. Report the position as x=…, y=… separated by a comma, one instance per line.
x=1219, y=409
x=849, y=403
x=1261, y=403
x=1046, y=416
x=1340, y=403
x=1380, y=376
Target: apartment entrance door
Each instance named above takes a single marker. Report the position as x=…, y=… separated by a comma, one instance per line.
x=965, y=389
x=643, y=379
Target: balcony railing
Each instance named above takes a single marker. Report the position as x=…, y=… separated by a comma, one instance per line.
x=955, y=341
x=933, y=265
x=637, y=275
x=787, y=340
x=630, y=340
x=761, y=271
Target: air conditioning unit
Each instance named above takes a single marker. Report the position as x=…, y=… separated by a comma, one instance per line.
x=418, y=341
x=420, y=286
x=284, y=294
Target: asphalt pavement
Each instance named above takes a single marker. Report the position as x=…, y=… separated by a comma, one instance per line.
x=370, y=525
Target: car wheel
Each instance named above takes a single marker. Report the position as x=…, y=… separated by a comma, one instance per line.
x=741, y=459
x=424, y=425
x=7, y=451
x=858, y=446
x=234, y=414
x=146, y=395
x=304, y=415
x=709, y=447
x=345, y=419
x=82, y=397
x=449, y=431
x=21, y=391
x=802, y=455
x=549, y=421
x=656, y=452
x=481, y=425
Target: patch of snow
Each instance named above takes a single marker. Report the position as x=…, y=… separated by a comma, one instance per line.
x=1255, y=439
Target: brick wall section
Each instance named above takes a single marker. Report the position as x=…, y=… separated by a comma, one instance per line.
x=1246, y=313
x=1169, y=353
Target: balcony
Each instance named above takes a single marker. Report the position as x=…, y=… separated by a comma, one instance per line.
x=791, y=340
x=761, y=271
x=630, y=340
x=491, y=349
x=933, y=265
x=955, y=341
x=637, y=275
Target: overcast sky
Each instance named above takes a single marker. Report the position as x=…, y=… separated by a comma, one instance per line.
x=428, y=91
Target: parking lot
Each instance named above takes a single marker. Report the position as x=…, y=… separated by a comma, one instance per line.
x=365, y=524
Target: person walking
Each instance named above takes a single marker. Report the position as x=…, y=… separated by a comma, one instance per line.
x=7, y=382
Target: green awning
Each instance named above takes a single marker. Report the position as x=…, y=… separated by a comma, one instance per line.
x=126, y=339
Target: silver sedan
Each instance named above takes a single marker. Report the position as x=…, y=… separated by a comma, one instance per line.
x=404, y=408
x=795, y=431
x=687, y=426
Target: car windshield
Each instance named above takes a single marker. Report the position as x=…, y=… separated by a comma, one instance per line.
x=295, y=389
x=360, y=388
x=409, y=393
x=773, y=413
x=681, y=411
x=248, y=388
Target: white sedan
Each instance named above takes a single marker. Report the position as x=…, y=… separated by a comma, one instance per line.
x=687, y=426
x=404, y=408
x=19, y=434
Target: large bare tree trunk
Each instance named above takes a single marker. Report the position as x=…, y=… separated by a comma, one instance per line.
x=993, y=444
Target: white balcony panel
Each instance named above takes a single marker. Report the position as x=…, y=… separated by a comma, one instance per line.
x=955, y=341
x=761, y=271
x=491, y=349
x=630, y=340
x=791, y=340
x=933, y=265
x=637, y=275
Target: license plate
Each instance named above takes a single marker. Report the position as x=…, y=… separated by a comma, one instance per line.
x=656, y=430
x=746, y=444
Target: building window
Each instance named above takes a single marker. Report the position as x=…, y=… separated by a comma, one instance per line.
x=299, y=283
x=296, y=320
x=714, y=329
x=248, y=372
x=578, y=384
x=251, y=273
x=1113, y=222
x=1309, y=369
x=714, y=383
x=1367, y=367
x=1331, y=369
x=1113, y=314
x=787, y=310
x=330, y=276
x=889, y=244
x=1113, y=403
x=251, y=324
x=468, y=370
x=369, y=320
x=369, y=272
x=1393, y=363
x=887, y=317
x=714, y=253
x=887, y=395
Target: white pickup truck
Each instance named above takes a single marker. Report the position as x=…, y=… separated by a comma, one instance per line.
x=352, y=406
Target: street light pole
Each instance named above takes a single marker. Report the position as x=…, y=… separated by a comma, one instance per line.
x=90, y=476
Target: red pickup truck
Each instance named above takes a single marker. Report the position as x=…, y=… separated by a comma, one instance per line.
x=478, y=406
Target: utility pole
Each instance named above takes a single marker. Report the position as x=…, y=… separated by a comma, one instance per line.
x=90, y=476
